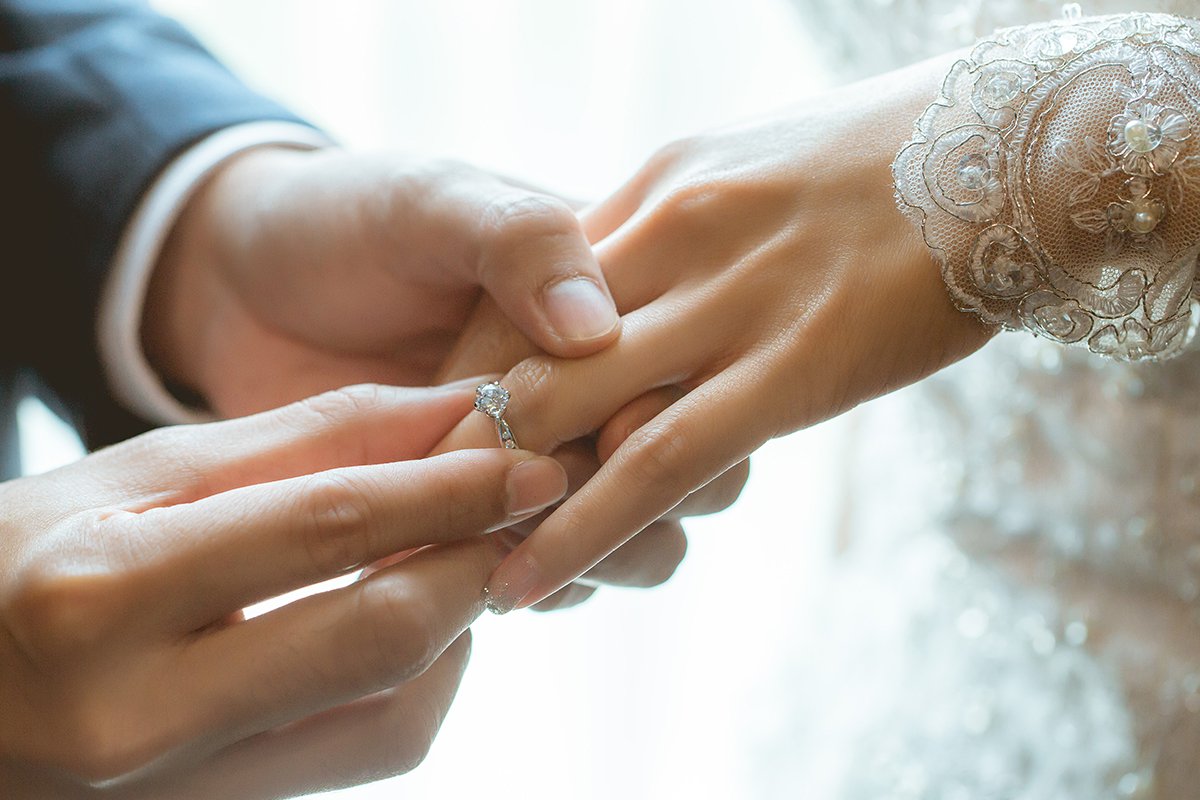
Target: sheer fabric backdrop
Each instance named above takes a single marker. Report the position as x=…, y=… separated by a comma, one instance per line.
x=668, y=693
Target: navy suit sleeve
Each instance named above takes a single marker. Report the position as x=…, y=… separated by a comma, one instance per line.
x=96, y=98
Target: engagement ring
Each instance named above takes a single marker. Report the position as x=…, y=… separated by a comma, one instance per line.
x=491, y=399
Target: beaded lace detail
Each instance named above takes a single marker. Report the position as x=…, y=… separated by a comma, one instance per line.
x=1014, y=610
x=1057, y=179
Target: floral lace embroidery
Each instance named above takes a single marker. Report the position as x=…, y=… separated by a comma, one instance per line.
x=1057, y=180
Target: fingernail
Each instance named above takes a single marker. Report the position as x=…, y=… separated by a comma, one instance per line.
x=514, y=581
x=579, y=310
x=532, y=486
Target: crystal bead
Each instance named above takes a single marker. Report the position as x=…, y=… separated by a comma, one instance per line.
x=974, y=171
x=1142, y=136
x=1055, y=321
x=1056, y=45
x=1001, y=89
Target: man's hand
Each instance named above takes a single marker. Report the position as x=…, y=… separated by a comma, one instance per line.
x=127, y=666
x=291, y=273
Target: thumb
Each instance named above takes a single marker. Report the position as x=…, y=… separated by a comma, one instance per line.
x=536, y=263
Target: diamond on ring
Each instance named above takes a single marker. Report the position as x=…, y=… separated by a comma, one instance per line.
x=492, y=399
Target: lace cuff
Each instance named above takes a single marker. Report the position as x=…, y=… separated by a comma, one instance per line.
x=1057, y=180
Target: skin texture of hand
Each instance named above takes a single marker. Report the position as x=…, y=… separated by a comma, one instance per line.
x=294, y=272
x=291, y=273
x=650, y=558
x=765, y=270
x=128, y=669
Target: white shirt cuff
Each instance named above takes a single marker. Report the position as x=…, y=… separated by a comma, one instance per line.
x=131, y=378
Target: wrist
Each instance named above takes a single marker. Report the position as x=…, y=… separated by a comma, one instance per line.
x=907, y=275
x=962, y=331
x=190, y=304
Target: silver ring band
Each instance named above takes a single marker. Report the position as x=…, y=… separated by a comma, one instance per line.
x=491, y=400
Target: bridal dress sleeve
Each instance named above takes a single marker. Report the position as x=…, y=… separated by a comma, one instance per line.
x=1057, y=181
x=97, y=98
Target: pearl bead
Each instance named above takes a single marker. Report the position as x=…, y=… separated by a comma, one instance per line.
x=1144, y=216
x=1143, y=222
x=1141, y=136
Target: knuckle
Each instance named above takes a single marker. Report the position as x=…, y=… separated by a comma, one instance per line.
x=674, y=550
x=336, y=407
x=700, y=204
x=160, y=440
x=338, y=522
x=651, y=559
x=532, y=383
x=423, y=721
x=734, y=484
x=98, y=747
x=654, y=453
x=512, y=221
x=683, y=200
x=177, y=450
x=672, y=154
x=510, y=224
x=57, y=610
x=402, y=639
x=725, y=490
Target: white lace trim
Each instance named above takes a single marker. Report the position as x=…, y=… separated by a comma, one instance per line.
x=1057, y=180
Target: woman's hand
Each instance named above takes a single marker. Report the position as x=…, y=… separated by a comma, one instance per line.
x=490, y=343
x=768, y=272
x=128, y=669
x=291, y=273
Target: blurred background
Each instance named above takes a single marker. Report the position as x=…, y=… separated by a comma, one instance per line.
x=669, y=693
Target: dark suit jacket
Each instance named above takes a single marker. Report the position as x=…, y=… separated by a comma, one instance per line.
x=96, y=97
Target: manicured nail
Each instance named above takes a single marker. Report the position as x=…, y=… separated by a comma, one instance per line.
x=579, y=310
x=532, y=486
x=514, y=581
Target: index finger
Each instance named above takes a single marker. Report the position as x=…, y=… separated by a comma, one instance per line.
x=225, y=552
x=703, y=434
x=535, y=260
